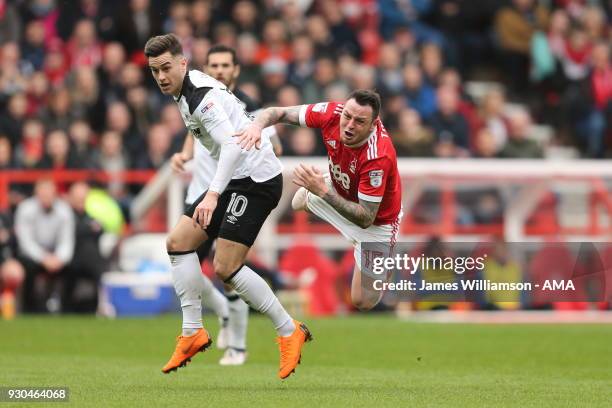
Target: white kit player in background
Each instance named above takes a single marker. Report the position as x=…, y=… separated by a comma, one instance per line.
x=233, y=312
x=246, y=187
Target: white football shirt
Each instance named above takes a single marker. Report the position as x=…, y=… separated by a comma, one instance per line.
x=213, y=115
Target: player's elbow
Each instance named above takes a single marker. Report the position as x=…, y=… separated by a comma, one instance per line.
x=365, y=224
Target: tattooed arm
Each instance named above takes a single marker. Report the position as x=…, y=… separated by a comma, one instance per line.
x=251, y=135
x=272, y=116
x=361, y=214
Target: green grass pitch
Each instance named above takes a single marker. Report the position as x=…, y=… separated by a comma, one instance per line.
x=367, y=361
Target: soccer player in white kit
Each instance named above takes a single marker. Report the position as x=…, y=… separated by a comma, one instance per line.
x=246, y=187
x=232, y=311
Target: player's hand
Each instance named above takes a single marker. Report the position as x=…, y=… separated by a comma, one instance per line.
x=204, y=211
x=249, y=137
x=177, y=162
x=311, y=179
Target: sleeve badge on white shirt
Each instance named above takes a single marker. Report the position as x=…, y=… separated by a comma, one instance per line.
x=207, y=107
x=376, y=177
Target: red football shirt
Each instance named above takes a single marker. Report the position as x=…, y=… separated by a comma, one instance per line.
x=368, y=172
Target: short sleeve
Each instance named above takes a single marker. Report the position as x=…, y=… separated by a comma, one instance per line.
x=373, y=180
x=317, y=115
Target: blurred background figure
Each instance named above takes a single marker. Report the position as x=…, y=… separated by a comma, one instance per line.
x=11, y=270
x=520, y=143
x=44, y=226
x=87, y=264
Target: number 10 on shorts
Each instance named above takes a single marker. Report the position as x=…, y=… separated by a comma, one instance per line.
x=237, y=205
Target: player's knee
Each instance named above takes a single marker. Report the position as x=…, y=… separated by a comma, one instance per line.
x=363, y=304
x=223, y=269
x=365, y=300
x=175, y=244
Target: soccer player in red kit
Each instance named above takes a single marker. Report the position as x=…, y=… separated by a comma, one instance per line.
x=361, y=197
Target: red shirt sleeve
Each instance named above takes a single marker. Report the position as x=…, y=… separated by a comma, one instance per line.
x=317, y=115
x=373, y=179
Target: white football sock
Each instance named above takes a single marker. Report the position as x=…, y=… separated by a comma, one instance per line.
x=214, y=300
x=188, y=284
x=238, y=321
x=256, y=292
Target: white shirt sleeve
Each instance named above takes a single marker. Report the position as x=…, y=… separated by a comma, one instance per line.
x=214, y=119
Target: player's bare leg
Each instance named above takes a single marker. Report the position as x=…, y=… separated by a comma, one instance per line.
x=229, y=267
x=363, y=294
x=188, y=283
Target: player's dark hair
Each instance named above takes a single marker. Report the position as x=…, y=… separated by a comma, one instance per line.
x=157, y=45
x=367, y=97
x=220, y=48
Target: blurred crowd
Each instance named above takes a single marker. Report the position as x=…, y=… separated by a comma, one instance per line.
x=75, y=91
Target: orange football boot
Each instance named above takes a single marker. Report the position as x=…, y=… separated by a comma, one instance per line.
x=291, y=349
x=187, y=347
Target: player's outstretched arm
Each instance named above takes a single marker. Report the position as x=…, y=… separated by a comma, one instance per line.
x=251, y=135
